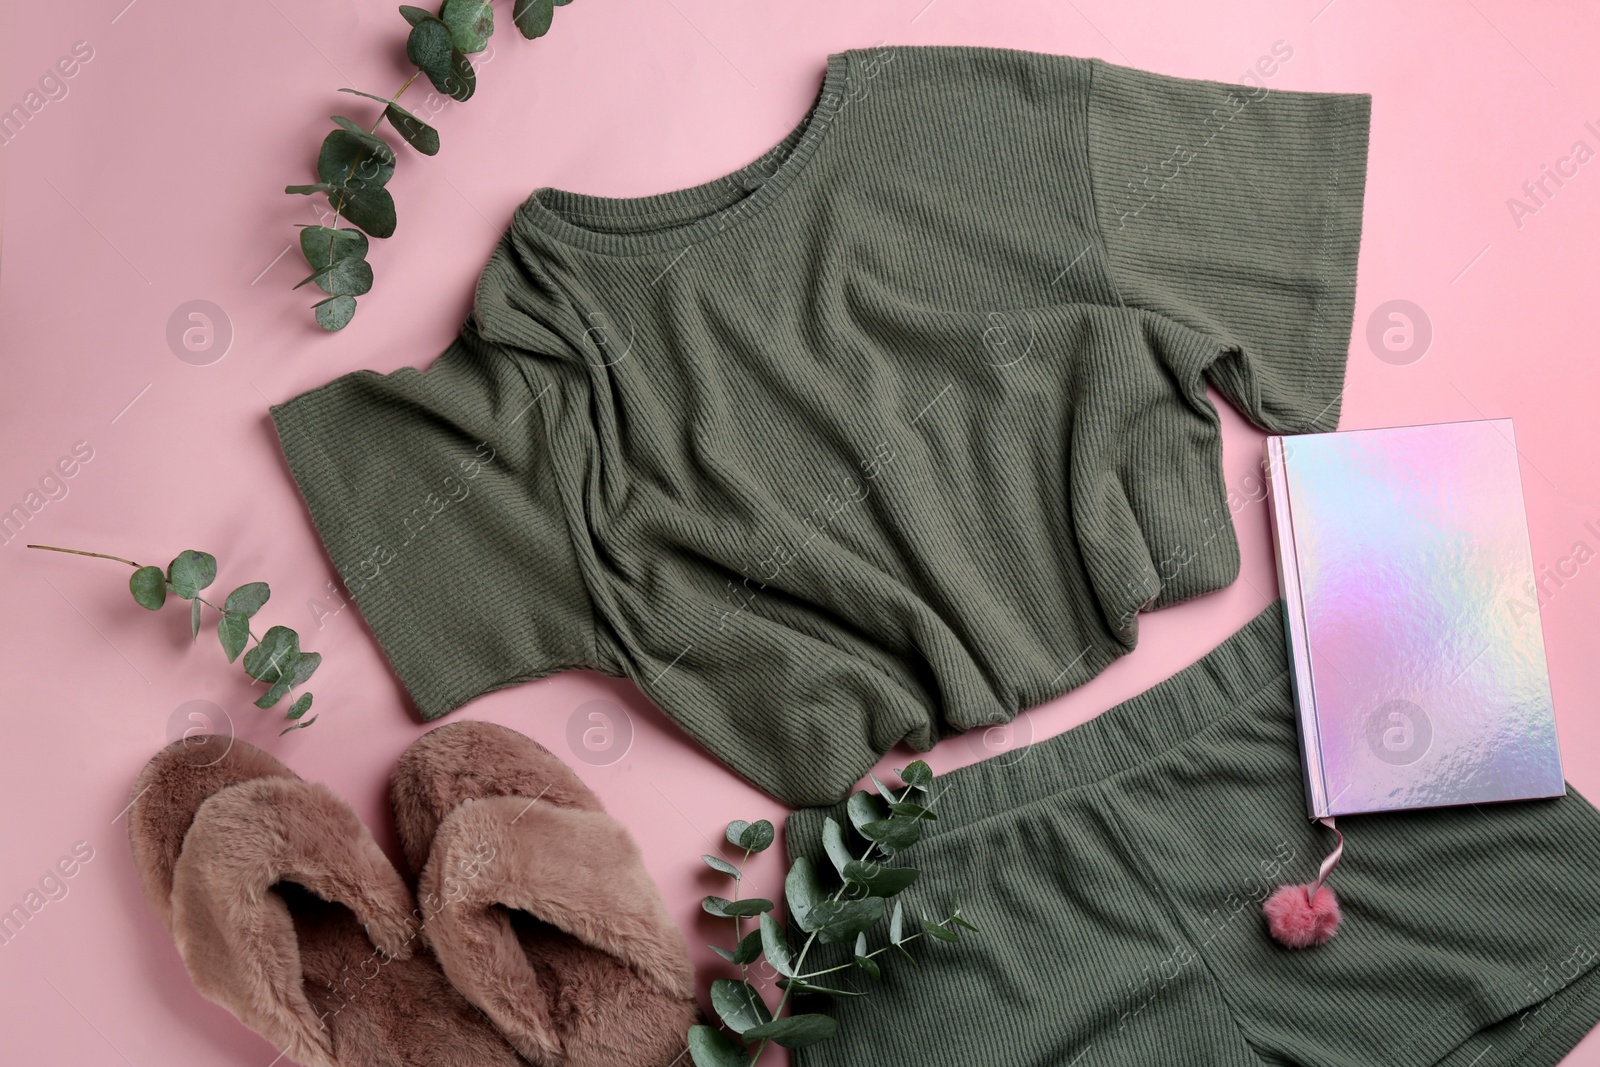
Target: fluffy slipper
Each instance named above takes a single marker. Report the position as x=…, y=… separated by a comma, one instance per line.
x=287, y=913
x=537, y=902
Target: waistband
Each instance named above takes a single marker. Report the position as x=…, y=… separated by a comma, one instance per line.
x=1225, y=681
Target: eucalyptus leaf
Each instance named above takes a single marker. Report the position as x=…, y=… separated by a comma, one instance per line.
x=724, y=908
x=794, y=1031
x=345, y=159
x=368, y=206
x=149, y=587
x=532, y=17
x=775, y=945
x=234, y=633
x=878, y=880
x=756, y=836
x=415, y=15
x=324, y=245
x=376, y=145
x=273, y=656
x=191, y=572
x=738, y=1004
x=736, y=830
x=471, y=24
x=275, y=693
x=941, y=932
x=248, y=598
x=431, y=48
x=897, y=920
x=717, y=863
x=842, y=920
x=305, y=665
x=711, y=1047
x=864, y=808
x=417, y=134
x=301, y=725
x=883, y=791
x=748, y=950
x=194, y=618
x=917, y=774
x=307, y=190
x=803, y=892
x=869, y=965
x=894, y=832
x=959, y=921
x=335, y=312
x=833, y=844
x=301, y=705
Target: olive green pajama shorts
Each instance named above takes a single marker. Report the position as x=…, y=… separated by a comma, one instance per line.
x=1116, y=873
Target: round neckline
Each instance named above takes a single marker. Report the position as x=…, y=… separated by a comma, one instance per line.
x=644, y=224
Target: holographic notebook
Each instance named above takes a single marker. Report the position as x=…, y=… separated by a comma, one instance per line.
x=1418, y=659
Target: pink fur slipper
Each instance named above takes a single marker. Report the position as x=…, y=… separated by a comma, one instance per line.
x=287, y=913
x=537, y=902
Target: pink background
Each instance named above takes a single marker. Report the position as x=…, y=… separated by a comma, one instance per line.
x=157, y=180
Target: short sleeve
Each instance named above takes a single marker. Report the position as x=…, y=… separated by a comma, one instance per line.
x=435, y=497
x=1236, y=211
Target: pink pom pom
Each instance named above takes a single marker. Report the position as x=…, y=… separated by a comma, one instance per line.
x=1298, y=920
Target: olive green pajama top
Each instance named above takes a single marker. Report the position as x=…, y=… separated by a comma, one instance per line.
x=890, y=434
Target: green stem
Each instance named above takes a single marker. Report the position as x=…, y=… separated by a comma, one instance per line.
x=396, y=97
x=738, y=923
x=874, y=952
x=81, y=552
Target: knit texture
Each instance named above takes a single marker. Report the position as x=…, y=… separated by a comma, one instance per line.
x=888, y=435
x=1116, y=873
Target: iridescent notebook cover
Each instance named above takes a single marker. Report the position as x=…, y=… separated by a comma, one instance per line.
x=1419, y=668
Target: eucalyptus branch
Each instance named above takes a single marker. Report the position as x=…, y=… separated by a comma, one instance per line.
x=275, y=658
x=355, y=163
x=889, y=823
x=799, y=961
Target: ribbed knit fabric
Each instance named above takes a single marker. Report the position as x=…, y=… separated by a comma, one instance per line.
x=1116, y=874
x=888, y=435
